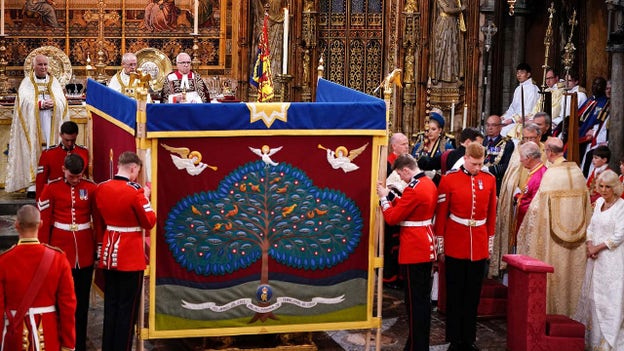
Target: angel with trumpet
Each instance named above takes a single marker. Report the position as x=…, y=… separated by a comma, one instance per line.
x=341, y=158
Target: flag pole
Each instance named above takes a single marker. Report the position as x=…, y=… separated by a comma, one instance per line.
x=261, y=76
x=394, y=78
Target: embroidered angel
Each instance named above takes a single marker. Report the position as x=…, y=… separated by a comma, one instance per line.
x=188, y=160
x=342, y=158
x=265, y=153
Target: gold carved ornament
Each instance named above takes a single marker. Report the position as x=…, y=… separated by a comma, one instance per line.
x=156, y=63
x=59, y=65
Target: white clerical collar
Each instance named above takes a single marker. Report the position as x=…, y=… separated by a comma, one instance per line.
x=185, y=83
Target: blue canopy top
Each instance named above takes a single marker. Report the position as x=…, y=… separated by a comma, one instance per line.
x=338, y=107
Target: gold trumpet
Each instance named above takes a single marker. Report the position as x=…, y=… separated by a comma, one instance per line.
x=340, y=149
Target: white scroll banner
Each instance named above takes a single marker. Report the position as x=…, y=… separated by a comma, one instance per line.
x=249, y=304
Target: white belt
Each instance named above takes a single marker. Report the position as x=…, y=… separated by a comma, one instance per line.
x=72, y=227
x=33, y=327
x=38, y=310
x=415, y=223
x=468, y=222
x=113, y=228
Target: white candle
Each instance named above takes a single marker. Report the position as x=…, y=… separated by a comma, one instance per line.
x=452, y=127
x=2, y=18
x=465, y=116
x=196, y=17
x=285, y=49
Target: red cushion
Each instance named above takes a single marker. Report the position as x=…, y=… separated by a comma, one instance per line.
x=558, y=325
x=528, y=264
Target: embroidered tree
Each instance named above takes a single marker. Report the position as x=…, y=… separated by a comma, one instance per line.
x=259, y=211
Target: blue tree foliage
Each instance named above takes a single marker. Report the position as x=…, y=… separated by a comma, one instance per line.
x=261, y=210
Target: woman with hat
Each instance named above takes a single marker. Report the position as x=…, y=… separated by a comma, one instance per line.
x=432, y=143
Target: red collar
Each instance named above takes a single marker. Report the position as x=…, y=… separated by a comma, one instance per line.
x=179, y=75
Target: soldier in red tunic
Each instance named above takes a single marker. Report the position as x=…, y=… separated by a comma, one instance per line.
x=51, y=160
x=66, y=205
x=36, y=292
x=465, y=219
x=392, y=278
x=413, y=211
x=123, y=211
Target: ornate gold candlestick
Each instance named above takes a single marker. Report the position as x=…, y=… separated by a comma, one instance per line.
x=89, y=68
x=321, y=67
x=196, y=62
x=101, y=65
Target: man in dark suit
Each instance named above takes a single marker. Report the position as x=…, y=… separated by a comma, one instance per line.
x=498, y=149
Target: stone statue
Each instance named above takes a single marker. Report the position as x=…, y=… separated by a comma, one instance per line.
x=306, y=66
x=408, y=76
x=308, y=6
x=447, y=56
x=410, y=6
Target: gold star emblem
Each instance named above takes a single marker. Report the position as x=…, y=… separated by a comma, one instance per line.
x=268, y=112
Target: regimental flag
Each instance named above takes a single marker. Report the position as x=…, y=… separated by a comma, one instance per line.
x=261, y=76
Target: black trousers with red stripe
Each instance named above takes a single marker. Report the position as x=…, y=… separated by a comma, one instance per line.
x=122, y=295
x=463, y=292
x=418, y=303
x=83, y=278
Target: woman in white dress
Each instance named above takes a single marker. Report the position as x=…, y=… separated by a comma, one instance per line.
x=601, y=306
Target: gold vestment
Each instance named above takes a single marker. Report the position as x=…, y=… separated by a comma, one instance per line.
x=554, y=231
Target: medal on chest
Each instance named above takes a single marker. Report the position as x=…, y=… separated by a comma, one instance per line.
x=494, y=150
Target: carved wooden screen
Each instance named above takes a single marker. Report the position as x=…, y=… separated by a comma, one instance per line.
x=351, y=39
x=128, y=26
